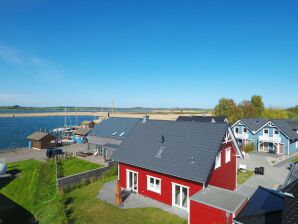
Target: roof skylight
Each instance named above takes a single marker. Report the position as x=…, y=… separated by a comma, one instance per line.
x=122, y=133
x=161, y=149
x=115, y=133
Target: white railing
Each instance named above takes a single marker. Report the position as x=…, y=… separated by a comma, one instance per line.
x=265, y=138
x=241, y=135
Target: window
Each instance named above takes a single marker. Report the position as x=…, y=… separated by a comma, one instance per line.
x=228, y=155
x=276, y=132
x=266, y=131
x=245, y=130
x=153, y=184
x=236, y=130
x=297, y=144
x=218, y=160
x=122, y=133
x=115, y=133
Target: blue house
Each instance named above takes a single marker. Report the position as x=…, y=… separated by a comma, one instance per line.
x=276, y=136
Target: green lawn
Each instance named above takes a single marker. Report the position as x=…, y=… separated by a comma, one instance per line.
x=87, y=209
x=34, y=188
x=74, y=165
x=242, y=177
x=295, y=160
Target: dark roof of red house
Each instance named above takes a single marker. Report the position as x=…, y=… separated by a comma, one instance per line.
x=182, y=149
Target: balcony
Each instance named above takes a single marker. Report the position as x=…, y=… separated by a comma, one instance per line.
x=266, y=138
x=241, y=135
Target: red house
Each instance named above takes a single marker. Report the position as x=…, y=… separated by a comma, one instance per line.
x=171, y=161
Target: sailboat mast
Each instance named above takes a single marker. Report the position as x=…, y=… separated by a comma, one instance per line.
x=76, y=117
x=65, y=122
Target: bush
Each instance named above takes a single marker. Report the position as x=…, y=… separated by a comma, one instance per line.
x=249, y=147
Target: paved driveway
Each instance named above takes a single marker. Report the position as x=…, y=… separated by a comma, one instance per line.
x=273, y=177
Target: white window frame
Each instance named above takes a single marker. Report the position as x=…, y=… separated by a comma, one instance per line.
x=277, y=133
x=228, y=155
x=236, y=128
x=154, y=189
x=218, y=160
x=127, y=179
x=173, y=196
x=244, y=128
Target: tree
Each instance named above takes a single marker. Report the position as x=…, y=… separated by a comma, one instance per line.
x=247, y=109
x=272, y=113
x=226, y=108
x=257, y=102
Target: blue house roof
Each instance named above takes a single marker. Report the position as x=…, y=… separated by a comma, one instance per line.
x=114, y=127
x=287, y=126
x=254, y=124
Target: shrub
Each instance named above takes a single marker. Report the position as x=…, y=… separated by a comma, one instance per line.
x=249, y=147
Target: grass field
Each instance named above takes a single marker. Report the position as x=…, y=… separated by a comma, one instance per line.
x=72, y=166
x=295, y=160
x=87, y=209
x=34, y=188
x=242, y=177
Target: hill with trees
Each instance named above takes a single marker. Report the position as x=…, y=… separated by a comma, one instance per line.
x=252, y=108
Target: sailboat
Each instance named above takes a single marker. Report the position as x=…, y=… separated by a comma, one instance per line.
x=66, y=132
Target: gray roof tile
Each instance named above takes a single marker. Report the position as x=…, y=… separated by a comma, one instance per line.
x=201, y=119
x=117, y=125
x=285, y=126
x=254, y=124
x=182, y=141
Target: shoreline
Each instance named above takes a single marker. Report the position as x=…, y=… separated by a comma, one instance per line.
x=156, y=115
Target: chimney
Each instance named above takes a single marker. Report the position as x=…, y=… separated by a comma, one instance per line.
x=145, y=118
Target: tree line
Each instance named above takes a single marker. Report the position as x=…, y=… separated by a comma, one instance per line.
x=252, y=108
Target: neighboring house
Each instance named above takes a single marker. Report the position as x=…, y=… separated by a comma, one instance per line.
x=80, y=135
x=273, y=206
x=109, y=133
x=171, y=161
x=42, y=140
x=212, y=119
x=277, y=136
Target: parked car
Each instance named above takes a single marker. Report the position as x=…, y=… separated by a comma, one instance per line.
x=53, y=152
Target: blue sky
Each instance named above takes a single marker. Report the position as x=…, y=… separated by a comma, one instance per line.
x=151, y=53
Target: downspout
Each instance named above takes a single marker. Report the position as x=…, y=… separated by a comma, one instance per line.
x=227, y=216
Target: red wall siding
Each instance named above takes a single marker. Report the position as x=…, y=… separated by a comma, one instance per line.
x=225, y=175
x=203, y=214
x=166, y=183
